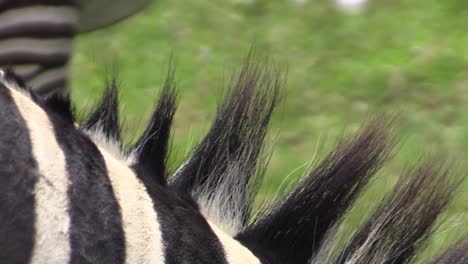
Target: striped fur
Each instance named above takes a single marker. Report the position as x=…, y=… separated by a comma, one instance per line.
x=36, y=41
x=71, y=193
x=36, y=36
x=51, y=201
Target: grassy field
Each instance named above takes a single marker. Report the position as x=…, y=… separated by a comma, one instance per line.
x=403, y=56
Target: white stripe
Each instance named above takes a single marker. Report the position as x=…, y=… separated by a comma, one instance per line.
x=43, y=47
x=235, y=252
x=49, y=15
x=26, y=70
x=103, y=141
x=47, y=77
x=143, y=237
x=52, y=244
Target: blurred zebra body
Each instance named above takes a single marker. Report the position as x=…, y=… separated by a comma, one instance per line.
x=36, y=36
x=72, y=194
x=36, y=40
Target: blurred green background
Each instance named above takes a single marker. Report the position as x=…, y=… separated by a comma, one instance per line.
x=396, y=56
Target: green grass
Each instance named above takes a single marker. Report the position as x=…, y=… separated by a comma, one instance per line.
x=405, y=56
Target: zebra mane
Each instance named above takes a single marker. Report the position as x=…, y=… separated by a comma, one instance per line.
x=227, y=161
x=102, y=123
x=105, y=115
x=456, y=254
x=327, y=191
x=225, y=169
x=151, y=150
x=222, y=175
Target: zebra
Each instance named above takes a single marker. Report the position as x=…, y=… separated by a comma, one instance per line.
x=73, y=193
x=36, y=36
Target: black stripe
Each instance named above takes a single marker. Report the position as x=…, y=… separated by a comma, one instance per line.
x=51, y=59
x=18, y=171
x=96, y=232
x=186, y=235
x=9, y=4
x=39, y=30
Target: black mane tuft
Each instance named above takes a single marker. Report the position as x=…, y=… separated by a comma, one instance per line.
x=105, y=116
x=61, y=105
x=456, y=254
x=224, y=170
x=221, y=177
x=404, y=219
x=151, y=149
x=296, y=227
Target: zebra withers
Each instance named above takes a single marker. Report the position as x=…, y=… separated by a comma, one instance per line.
x=72, y=194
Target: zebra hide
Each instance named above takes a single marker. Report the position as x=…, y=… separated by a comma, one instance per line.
x=72, y=193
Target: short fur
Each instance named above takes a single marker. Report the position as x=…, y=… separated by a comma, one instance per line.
x=18, y=177
x=51, y=199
